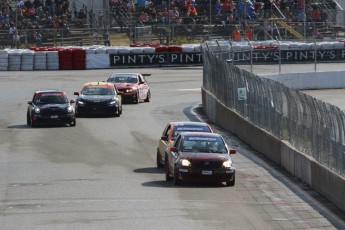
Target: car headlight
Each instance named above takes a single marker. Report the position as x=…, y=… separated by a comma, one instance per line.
x=185, y=162
x=129, y=90
x=37, y=110
x=227, y=164
x=80, y=102
x=112, y=102
x=70, y=109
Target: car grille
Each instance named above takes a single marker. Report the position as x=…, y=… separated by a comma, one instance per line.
x=206, y=164
x=53, y=111
x=93, y=104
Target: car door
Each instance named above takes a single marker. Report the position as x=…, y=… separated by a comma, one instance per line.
x=164, y=140
x=173, y=156
x=143, y=87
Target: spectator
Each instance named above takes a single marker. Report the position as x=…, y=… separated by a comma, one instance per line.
x=81, y=18
x=106, y=37
x=192, y=11
x=165, y=16
x=228, y=8
x=174, y=15
x=218, y=8
x=316, y=14
x=37, y=3
x=49, y=7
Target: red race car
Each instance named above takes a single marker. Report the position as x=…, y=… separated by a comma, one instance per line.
x=132, y=87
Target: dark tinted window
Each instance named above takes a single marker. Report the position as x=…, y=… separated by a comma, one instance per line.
x=98, y=91
x=50, y=98
x=123, y=79
x=204, y=144
x=189, y=128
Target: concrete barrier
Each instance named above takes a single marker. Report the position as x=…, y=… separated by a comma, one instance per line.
x=300, y=165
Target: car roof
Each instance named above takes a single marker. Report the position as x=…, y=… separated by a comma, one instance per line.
x=190, y=123
x=200, y=134
x=114, y=74
x=49, y=91
x=98, y=83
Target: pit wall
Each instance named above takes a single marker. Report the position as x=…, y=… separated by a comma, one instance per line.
x=146, y=55
x=318, y=177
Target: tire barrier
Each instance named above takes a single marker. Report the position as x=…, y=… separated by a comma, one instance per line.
x=102, y=57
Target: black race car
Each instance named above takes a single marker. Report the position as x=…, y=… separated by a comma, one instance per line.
x=98, y=98
x=50, y=107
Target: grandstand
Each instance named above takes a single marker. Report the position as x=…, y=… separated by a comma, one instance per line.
x=85, y=22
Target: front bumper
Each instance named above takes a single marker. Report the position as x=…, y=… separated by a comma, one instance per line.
x=97, y=110
x=214, y=175
x=53, y=119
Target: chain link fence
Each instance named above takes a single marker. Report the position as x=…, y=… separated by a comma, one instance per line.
x=310, y=125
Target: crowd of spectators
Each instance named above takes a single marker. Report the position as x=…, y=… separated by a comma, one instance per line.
x=34, y=19
x=153, y=12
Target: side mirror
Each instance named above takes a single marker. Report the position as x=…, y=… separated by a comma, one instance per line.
x=76, y=93
x=232, y=151
x=30, y=102
x=72, y=101
x=164, y=138
x=173, y=149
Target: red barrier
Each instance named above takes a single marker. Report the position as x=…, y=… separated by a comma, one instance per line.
x=262, y=47
x=79, y=59
x=174, y=49
x=160, y=49
x=65, y=59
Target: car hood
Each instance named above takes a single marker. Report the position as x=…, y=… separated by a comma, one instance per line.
x=125, y=85
x=53, y=106
x=97, y=97
x=196, y=156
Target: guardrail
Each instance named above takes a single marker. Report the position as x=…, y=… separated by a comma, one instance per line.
x=297, y=131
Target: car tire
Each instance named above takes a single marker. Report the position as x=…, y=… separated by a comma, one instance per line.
x=158, y=161
x=73, y=123
x=177, y=181
x=32, y=123
x=28, y=121
x=117, y=113
x=136, y=99
x=148, y=97
x=231, y=183
x=121, y=110
x=167, y=173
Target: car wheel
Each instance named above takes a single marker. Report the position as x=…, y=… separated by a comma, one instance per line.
x=167, y=173
x=121, y=110
x=231, y=183
x=28, y=121
x=158, y=161
x=148, y=97
x=73, y=123
x=33, y=124
x=117, y=113
x=136, y=99
x=177, y=181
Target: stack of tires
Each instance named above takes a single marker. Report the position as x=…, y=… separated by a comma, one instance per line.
x=65, y=59
x=3, y=60
x=27, y=60
x=79, y=57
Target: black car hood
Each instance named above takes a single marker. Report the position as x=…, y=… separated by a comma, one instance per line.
x=96, y=97
x=52, y=106
x=204, y=156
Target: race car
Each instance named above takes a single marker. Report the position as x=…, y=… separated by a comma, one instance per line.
x=98, y=98
x=200, y=157
x=171, y=131
x=50, y=107
x=133, y=87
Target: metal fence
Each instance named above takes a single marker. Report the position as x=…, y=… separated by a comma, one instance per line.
x=310, y=125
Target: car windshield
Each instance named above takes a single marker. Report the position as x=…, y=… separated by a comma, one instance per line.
x=203, y=144
x=123, y=79
x=50, y=98
x=189, y=128
x=98, y=91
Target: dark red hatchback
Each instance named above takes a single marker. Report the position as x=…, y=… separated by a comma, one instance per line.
x=200, y=156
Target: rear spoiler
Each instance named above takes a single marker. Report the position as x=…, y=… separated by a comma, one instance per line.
x=146, y=74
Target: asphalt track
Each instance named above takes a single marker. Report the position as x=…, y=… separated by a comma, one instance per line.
x=101, y=174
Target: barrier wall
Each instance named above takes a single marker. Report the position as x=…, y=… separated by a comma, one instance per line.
x=318, y=177
x=103, y=57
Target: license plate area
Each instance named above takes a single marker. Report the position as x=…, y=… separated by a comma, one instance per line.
x=54, y=116
x=206, y=172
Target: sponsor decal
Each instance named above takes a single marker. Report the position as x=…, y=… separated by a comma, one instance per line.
x=259, y=56
x=155, y=59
